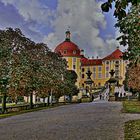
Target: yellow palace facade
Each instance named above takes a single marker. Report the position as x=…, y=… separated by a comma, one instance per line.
x=100, y=68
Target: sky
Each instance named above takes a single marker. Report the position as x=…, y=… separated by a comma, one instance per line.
x=47, y=20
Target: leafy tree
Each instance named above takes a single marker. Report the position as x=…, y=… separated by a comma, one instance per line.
x=134, y=78
x=129, y=25
x=55, y=67
x=28, y=67
x=69, y=85
x=120, y=7
x=11, y=44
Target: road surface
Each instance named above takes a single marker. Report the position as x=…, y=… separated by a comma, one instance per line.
x=99, y=120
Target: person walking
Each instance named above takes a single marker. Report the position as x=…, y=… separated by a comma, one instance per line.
x=92, y=97
x=100, y=96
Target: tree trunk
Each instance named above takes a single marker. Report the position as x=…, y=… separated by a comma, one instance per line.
x=44, y=100
x=4, y=103
x=48, y=102
x=139, y=96
x=51, y=96
x=31, y=100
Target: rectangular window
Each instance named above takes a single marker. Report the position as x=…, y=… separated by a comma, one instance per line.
x=107, y=68
x=99, y=75
x=65, y=51
x=99, y=68
x=74, y=67
x=83, y=69
x=74, y=60
x=83, y=75
x=107, y=75
x=94, y=75
x=94, y=69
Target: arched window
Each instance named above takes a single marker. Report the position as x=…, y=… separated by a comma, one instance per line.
x=74, y=52
x=65, y=52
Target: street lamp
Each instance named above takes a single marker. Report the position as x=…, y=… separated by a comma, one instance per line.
x=89, y=81
x=112, y=81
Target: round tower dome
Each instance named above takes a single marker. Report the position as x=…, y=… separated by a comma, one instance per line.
x=68, y=48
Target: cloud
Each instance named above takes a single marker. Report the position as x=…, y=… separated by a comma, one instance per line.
x=85, y=19
x=34, y=14
x=31, y=10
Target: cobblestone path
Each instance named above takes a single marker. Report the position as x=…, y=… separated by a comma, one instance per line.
x=98, y=120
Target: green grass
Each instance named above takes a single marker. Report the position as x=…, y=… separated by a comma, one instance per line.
x=132, y=130
x=9, y=104
x=30, y=110
x=131, y=106
x=21, y=112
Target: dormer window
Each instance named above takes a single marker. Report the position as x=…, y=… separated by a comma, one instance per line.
x=65, y=52
x=107, y=62
x=74, y=52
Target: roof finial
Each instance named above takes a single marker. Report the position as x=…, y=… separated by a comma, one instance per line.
x=68, y=34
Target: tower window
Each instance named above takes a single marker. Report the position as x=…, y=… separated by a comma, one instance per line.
x=83, y=75
x=65, y=52
x=74, y=52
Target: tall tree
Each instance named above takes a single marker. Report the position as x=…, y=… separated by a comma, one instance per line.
x=129, y=25
x=11, y=44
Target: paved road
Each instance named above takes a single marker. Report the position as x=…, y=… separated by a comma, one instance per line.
x=88, y=121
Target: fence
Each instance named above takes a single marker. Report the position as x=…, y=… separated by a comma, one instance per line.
x=18, y=108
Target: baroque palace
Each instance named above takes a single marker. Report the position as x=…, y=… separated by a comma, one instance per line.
x=100, y=68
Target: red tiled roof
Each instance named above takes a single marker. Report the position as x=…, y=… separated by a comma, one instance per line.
x=90, y=62
x=117, y=54
x=69, y=47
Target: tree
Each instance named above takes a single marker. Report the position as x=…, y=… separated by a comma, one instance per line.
x=11, y=44
x=55, y=67
x=69, y=86
x=129, y=25
x=134, y=78
x=120, y=7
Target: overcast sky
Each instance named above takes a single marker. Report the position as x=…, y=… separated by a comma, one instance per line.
x=47, y=20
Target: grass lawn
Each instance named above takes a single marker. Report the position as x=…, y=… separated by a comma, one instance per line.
x=131, y=107
x=30, y=110
x=9, y=104
x=132, y=130
x=21, y=112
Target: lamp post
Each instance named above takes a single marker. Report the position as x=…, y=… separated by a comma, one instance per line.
x=89, y=81
x=112, y=81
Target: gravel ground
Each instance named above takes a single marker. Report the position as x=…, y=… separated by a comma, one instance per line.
x=98, y=120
